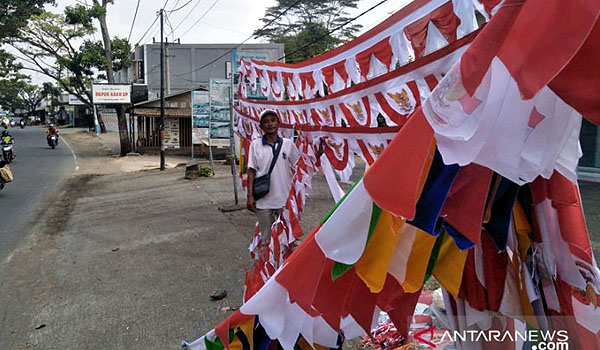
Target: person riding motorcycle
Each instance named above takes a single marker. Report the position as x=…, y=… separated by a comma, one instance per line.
x=6, y=137
x=52, y=130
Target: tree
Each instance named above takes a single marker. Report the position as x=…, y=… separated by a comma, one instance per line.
x=10, y=81
x=99, y=12
x=47, y=44
x=15, y=13
x=307, y=28
x=31, y=96
x=9, y=92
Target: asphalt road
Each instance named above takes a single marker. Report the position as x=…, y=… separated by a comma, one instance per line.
x=38, y=172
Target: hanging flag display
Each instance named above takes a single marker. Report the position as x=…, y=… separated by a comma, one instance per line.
x=475, y=186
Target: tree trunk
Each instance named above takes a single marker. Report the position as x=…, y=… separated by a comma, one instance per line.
x=123, y=132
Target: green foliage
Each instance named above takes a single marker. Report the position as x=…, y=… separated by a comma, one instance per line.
x=205, y=171
x=8, y=64
x=306, y=28
x=9, y=91
x=15, y=13
x=49, y=42
x=79, y=15
x=121, y=50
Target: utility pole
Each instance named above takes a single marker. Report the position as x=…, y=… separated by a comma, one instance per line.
x=162, y=93
x=168, y=70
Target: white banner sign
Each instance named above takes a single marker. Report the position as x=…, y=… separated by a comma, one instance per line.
x=111, y=94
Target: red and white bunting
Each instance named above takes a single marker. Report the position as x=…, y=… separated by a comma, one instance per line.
x=418, y=29
x=394, y=95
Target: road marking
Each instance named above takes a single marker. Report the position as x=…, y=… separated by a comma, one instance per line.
x=73, y=153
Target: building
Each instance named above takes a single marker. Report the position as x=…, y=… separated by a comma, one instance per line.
x=188, y=66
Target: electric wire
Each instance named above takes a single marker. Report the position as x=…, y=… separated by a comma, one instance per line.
x=201, y=17
x=186, y=16
x=333, y=30
x=238, y=45
x=147, y=31
x=137, y=7
x=180, y=7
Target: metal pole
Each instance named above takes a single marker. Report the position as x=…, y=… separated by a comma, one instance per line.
x=162, y=93
x=210, y=154
x=232, y=144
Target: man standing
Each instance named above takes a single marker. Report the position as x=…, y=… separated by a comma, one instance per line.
x=261, y=154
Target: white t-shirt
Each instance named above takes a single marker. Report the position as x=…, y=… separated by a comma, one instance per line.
x=259, y=159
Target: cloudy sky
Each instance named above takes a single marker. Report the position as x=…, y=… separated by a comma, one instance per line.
x=206, y=21
x=228, y=21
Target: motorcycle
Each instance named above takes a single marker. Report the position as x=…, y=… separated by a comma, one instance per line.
x=22, y=124
x=8, y=153
x=53, y=141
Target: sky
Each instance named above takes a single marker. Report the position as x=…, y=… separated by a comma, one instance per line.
x=228, y=21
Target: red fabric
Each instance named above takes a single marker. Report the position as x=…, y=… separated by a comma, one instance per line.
x=465, y=203
x=398, y=304
x=336, y=163
x=396, y=17
x=360, y=303
x=443, y=18
x=439, y=54
x=431, y=81
x=234, y=320
x=302, y=272
x=578, y=84
x=382, y=51
x=365, y=152
x=489, y=5
x=409, y=153
x=340, y=68
x=331, y=295
x=555, y=31
x=494, y=266
x=478, y=57
x=566, y=200
x=389, y=111
x=307, y=79
x=471, y=289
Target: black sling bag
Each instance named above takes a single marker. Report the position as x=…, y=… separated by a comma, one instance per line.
x=262, y=183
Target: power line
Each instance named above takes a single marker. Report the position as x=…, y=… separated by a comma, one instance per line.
x=175, y=4
x=180, y=7
x=240, y=44
x=147, y=31
x=134, y=17
x=170, y=25
x=198, y=20
x=165, y=5
x=333, y=30
x=186, y=16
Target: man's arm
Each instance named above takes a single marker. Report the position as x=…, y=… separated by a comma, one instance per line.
x=251, y=202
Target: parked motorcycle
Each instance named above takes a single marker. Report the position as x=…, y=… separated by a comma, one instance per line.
x=52, y=141
x=8, y=153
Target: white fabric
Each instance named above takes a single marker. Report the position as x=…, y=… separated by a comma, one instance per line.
x=435, y=40
x=557, y=255
x=401, y=253
x=586, y=315
x=259, y=159
x=519, y=139
x=334, y=187
x=343, y=236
